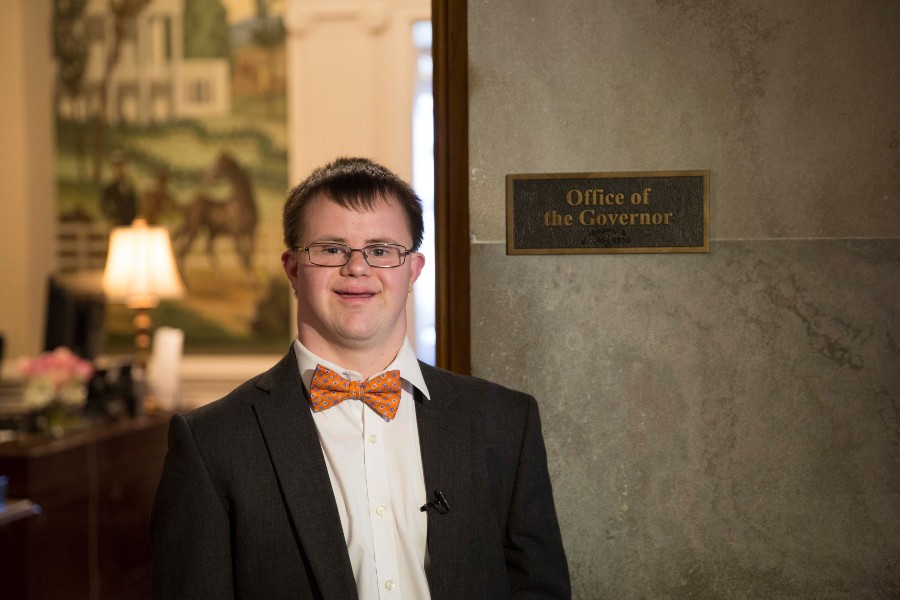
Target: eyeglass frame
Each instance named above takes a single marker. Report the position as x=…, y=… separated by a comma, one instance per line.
x=406, y=252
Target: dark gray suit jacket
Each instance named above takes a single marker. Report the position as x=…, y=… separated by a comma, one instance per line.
x=245, y=508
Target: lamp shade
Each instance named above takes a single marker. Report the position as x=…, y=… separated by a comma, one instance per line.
x=140, y=266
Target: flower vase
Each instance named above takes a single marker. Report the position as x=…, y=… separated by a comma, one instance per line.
x=51, y=420
x=56, y=387
x=56, y=415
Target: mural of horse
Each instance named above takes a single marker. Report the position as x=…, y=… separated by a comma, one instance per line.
x=236, y=216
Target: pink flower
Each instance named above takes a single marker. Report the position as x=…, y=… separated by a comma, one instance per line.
x=55, y=375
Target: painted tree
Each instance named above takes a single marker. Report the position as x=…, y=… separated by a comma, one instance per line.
x=124, y=15
x=269, y=34
x=70, y=49
x=269, y=30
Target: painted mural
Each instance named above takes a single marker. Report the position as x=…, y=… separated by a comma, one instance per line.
x=175, y=111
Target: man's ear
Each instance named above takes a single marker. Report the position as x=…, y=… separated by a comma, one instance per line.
x=416, y=264
x=290, y=262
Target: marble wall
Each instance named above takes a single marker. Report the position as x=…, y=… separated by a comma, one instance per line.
x=722, y=425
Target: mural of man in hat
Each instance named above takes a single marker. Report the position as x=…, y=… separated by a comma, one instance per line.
x=118, y=200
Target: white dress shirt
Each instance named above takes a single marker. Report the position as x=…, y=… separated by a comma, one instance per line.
x=375, y=467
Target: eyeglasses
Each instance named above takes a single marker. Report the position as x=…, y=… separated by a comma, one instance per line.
x=381, y=256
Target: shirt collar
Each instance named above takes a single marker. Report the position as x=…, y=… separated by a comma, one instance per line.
x=405, y=361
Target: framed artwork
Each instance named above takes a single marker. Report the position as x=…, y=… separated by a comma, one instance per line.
x=175, y=111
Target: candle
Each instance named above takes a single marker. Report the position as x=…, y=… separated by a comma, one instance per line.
x=165, y=367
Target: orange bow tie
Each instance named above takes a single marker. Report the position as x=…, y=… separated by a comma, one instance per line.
x=381, y=393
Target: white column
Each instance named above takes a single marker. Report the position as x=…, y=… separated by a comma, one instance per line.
x=350, y=81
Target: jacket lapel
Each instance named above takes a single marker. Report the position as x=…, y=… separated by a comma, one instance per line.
x=445, y=442
x=296, y=455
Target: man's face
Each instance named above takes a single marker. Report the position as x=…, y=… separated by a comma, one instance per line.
x=355, y=307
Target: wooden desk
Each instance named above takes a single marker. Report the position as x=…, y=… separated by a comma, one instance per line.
x=96, y=490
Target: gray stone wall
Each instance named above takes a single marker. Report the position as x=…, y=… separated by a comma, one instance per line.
x=722, y=425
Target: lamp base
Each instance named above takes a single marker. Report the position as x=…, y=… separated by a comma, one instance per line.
x=143, y=400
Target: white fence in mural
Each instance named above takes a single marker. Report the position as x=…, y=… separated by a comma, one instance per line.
x=82, y=246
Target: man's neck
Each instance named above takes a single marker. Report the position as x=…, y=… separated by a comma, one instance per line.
x=365, y=361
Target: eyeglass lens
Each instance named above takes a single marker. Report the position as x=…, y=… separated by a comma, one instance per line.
x=337, y=255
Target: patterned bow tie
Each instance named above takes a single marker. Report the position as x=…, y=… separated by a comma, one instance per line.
x=381, y=393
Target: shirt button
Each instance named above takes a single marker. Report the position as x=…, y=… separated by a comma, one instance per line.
x=389, y=584
x=380, y=510
x=373, y=438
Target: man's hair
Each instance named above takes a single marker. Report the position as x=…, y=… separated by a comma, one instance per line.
x=356, y=183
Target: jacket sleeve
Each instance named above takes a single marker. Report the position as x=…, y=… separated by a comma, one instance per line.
x=535, y=559
x=189, y=526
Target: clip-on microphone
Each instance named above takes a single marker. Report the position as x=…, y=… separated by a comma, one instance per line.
x=439, y=504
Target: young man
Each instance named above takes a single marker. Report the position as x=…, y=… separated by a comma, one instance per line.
x=350, y=469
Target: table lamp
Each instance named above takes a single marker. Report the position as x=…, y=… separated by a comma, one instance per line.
x=140, y=271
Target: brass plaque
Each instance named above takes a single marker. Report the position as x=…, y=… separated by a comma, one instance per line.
x=614, y=213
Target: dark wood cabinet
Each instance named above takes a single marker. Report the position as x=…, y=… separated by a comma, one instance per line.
x=95, y=489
